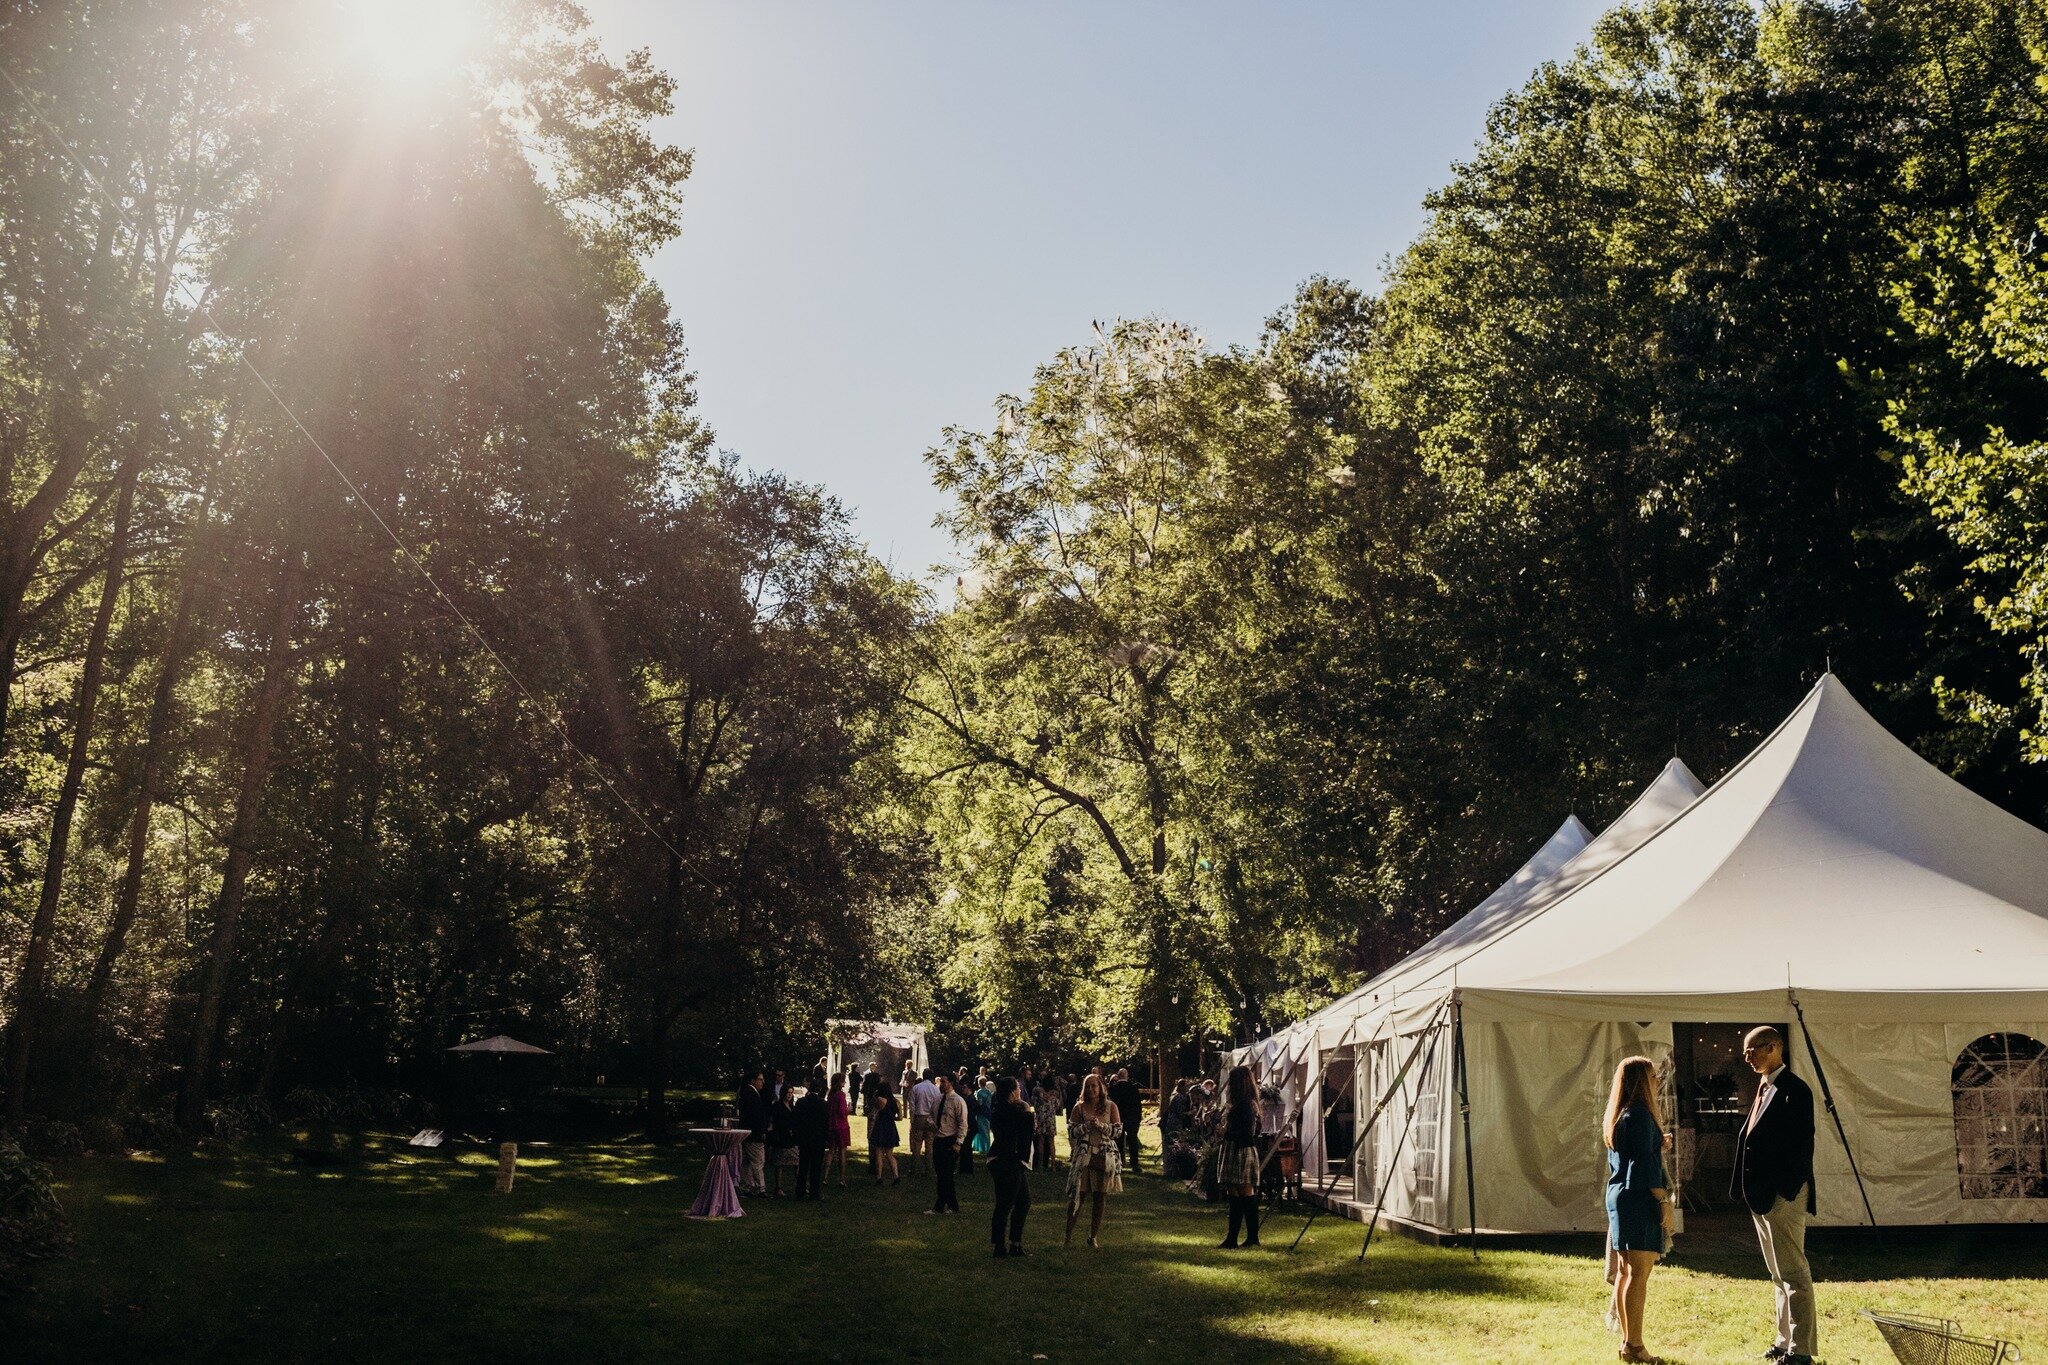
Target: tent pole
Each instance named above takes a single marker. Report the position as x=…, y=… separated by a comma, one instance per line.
x=1465, y=1118
x=1358, y=1139
x=1828, y=1098
x=1421, y=1081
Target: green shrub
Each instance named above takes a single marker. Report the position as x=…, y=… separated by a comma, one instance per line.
x=32, y=1222
x=49, y=1139
x=104, y=1136
x=155, y=1131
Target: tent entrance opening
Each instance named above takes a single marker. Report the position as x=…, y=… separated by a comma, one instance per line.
x=1340, y=1068
x=1714, y=1090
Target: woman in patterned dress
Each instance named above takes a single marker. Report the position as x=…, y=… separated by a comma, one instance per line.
x=1238, y=1167
x=1045, y=1105
x=1096, y=1168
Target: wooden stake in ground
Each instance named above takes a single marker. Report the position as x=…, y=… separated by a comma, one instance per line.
x=508, y=1165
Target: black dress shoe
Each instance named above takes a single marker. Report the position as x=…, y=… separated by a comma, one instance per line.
x=1017, y=1249
x=1000, y=1253
x=1796, y=1360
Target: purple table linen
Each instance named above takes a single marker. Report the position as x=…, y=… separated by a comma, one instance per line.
x=719, y=1195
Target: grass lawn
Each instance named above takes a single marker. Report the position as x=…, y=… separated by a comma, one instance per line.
x=243, y=1256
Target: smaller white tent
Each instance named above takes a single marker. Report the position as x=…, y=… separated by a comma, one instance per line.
x=1347, y=1028
x=874, y=1042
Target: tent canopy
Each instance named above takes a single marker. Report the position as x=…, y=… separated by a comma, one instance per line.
x=1567, y=860
x=1832, y=859
x=502, y=1045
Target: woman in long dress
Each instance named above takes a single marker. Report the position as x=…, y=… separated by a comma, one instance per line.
x=984, y=1111
x=1095, y=1169
x=1638, y=1197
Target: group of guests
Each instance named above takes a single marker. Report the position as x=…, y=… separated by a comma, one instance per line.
x=789, y=1126
x=949, y=1119
x=1773, y=1179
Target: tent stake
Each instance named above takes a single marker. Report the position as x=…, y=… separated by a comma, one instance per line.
x=1465, y=1118
x=1358, y=1140
x=1421, y=1082
x=1828, y=1098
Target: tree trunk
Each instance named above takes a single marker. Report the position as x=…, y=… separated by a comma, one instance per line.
x=256, y=760
x=28, y=999
x=163, y=705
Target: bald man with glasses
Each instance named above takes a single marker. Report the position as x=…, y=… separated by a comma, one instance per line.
x=1774, y=1180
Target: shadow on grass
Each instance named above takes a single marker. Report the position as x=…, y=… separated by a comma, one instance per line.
x=230, y=1256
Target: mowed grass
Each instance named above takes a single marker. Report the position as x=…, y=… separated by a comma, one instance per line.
x=233, y=1256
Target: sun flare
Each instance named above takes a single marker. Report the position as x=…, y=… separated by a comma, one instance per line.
x=408, y=45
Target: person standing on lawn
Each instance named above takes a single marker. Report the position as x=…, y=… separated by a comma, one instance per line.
x=923, y=1102
x=1638, y=1196
x=753, y=1105
x=870, y=1089
x=1237, y=1170
x=948, y=1131
x=853, y=1088
x=838, y=1110
x=1130, y=1109
x=781, y=1139
x=813, y=1132
x=1774, y=1180
x=882, y=1135
x=965, y=1088
x=1009, y=1163
x=1094, y=1158
x=1045, y=1106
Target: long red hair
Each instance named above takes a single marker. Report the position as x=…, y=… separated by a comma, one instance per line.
x=1635, y=1082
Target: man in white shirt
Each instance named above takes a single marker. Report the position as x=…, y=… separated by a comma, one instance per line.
x=949, y=1132
x=924, y=1108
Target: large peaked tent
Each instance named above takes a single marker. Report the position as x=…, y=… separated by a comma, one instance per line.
x=1832, y=882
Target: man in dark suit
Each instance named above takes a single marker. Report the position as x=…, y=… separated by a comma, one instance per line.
x=1130, y=1111
x=754, y=1118
x=813, y=1122
x=1774, y=1180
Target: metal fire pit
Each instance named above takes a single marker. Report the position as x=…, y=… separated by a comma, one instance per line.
x=1937, y=1341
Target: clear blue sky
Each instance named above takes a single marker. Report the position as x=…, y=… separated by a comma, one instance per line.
x=899, y=209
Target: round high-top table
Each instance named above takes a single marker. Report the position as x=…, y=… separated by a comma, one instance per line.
x=719, y=1195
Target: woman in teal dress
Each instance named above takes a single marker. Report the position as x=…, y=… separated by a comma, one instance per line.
x=1638, y=1199
x=984, y=1106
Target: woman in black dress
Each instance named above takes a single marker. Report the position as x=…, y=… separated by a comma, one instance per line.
x=883, y=1112
x=1238, y=1168
x=1638, y=1201
x=1012, y=1127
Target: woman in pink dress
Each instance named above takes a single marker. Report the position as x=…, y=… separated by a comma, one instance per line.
x=841, y=1136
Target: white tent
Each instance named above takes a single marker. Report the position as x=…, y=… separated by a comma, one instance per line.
x=1833, y=883
x=874, y=1042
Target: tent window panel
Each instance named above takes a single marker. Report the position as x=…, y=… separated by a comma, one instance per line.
x=1427, y=1114
x=2000, y=1090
